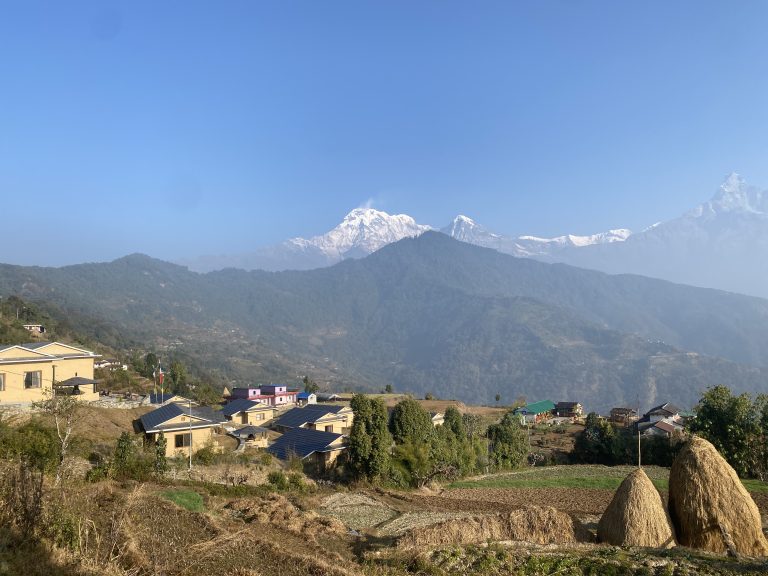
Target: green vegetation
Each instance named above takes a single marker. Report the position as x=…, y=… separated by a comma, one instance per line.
x=425, y=315
x=737, y=427
x=508, y=442
x=188, y=499
x=369, y=439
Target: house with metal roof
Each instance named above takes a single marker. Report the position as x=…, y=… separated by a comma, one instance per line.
x=182, y=426
x=243, y=411
x=165, y=398
x=30, y=372
x=535, y=412
x=273, y=394
x=569, y=410
x=304, y=398
x=256, y=436
x=328, y=418
x=322, y=448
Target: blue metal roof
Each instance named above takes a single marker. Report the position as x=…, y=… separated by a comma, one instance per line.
x=152, y=420
x=239, y=405
x=302, y=443
x=304, y=395
x=297, y=417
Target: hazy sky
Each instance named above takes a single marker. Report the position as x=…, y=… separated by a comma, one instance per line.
x=185, y=128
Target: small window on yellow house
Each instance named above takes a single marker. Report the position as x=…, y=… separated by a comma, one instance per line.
x=2, y=382
x=33, y=379
x=183, y=440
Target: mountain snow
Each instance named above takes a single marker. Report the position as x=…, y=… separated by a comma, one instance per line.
x=363, y=231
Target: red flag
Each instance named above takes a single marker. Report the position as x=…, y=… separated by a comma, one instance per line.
x=160, y=376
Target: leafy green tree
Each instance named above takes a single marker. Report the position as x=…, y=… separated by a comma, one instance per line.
x=310, y=385
x=388, y=389
x=409, y=420
x=206, y=395
x=454, y=422
x=508, y=442
x=473, y=425
x=600, y=443
x=161, y=461
x=150, y=364
x=369, y=439
x=125, y=455
x=178, y=375
x=732, y=424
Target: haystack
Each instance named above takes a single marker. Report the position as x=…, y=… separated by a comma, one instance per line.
x=636, y=516
x=709, y=506
x=529, y=524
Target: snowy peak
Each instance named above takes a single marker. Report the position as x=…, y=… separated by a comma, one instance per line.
x=734, y=196
x=467, y=230
x=361, y=232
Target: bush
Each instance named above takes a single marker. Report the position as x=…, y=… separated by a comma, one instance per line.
x=277, y=479
x=205, y=456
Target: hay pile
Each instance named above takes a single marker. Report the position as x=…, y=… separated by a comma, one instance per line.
x=709, y=506
x=636, y=516
x=538, y=525
x=278, y=511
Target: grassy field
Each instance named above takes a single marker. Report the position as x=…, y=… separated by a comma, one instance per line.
x=579, y=476
x=188, y=499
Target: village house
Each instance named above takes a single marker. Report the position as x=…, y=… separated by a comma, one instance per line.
x=438, y=418
x=327, y=397
x=304, y=398
x=243, y=411
x=623, y=416
x=662, y=420
x=272, y=394
x=568, y=410
x=666, y=411
x=165, y=398
x=32, y=372
x=336, y=419
x=254, y=436
x=182, y=426
x=535, y=412
x=35, y=328
x=318, y=447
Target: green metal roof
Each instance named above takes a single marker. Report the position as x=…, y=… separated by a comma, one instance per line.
x=537, y=407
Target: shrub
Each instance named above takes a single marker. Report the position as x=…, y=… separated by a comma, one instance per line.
x=277, y=479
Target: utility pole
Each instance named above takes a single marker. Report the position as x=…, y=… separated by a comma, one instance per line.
x=190, y=435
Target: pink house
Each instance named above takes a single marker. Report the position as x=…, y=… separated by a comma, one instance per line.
x=271, y=394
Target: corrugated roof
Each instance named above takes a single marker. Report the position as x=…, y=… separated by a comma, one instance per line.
x=302, y=443
x=537, y=407
x=239, y=405
x=247, y=431
x=297, y=417
x=151, y=420
x=76, y=381
x=304, y=395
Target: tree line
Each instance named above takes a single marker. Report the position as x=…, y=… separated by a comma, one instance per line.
x=737, y=425
x=404, y=448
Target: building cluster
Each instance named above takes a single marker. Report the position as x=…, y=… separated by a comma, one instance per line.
x=545, y=410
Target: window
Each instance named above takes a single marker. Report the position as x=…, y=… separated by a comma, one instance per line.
x=33, y=379
x=329, y=428
x=2, y=382
x=183, y=440
x=259, y=416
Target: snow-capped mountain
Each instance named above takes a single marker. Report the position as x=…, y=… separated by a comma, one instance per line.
x=361, y=232
x=467, y=230
x=722, y=243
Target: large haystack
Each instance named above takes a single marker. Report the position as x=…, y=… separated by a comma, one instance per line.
x=529, y=524
x=709, y=506
x=636, y=516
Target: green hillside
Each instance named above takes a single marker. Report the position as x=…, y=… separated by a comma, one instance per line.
x=426, y=315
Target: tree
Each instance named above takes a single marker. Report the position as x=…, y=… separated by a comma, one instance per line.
x=388, y=389
x=409, y=420
x=178, y=375
x=498, y=397
x=206, y=395
x=369, y=439
x=161, y=461
x=125, y=455
x=508, y=442
x=599, y=443
x=732, y=424
x=150, y=363
x=310, y=385
x=65, y=410
x=454, y=422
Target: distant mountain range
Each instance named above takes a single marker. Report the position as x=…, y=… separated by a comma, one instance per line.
x=723, y=244
x=425, y=314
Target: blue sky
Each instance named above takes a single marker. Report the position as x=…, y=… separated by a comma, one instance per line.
x=185, y=128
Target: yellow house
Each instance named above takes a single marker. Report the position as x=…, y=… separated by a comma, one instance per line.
x=241, y=411
x=326, y=418
x=320, y=448
x=182, y=426
x=29, y=372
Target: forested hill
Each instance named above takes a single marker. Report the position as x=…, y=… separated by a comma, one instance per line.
x=430, y=314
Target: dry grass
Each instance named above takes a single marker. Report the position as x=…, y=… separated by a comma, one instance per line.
x=636, y=516
x=357, y=511
x=709, y=506
x=538, y=525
